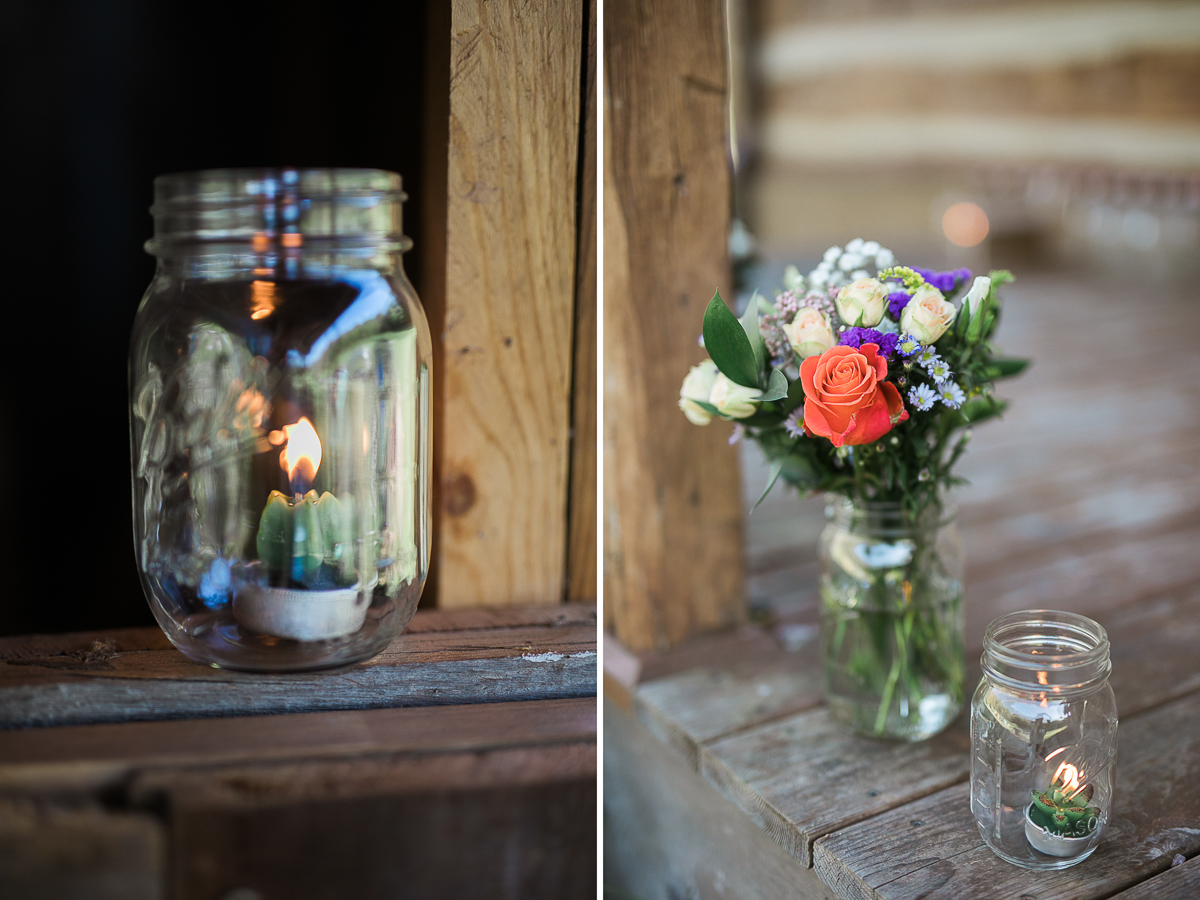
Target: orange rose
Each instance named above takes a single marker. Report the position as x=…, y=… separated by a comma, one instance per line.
x=846, y=398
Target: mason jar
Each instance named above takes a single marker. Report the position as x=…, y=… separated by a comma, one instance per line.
x=1043, y=739
x=279, y=382
x=892, y=618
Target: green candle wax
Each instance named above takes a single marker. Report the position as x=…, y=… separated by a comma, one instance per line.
x=297, y=535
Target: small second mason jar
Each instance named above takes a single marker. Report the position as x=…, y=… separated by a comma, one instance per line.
x=279, y=383
x=1043, y=739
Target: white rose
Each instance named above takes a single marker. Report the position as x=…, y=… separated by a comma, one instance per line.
x=866, y=298
x=810, y=333
x=979, y=290
x=884, y=259
x=732, y=400
x=927, y=315
x=698, y=386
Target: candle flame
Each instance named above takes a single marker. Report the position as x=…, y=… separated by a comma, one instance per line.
x=301, y=456
x=1069, y=776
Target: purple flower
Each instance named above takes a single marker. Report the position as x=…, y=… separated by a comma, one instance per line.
x=856, y=337
x=794, y=423
x=897, y=300
x=947, y=282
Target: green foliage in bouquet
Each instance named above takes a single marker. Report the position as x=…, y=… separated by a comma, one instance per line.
x=931, y=365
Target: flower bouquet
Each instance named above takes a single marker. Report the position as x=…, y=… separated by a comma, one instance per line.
x=862, y=380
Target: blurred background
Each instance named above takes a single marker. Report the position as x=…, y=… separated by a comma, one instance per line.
x=1058, y=139
x=99, y=97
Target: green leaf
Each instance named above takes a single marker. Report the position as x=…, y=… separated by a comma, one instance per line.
x=707, y=407
x=749, y=322
x=795, y=396
x=1005, y=367
x=1000, y=277
x=777, y=386
x=727, y=344
x=963, y=322
x=776, y=468
x=981, y=408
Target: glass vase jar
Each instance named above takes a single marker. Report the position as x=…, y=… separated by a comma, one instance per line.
x=892, y=618
x=1043, y=739
x=279, y=383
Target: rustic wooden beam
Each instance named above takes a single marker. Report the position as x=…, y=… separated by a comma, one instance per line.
x=509, y=301
x=581, y=531
x=446, y=657
x=673, y=515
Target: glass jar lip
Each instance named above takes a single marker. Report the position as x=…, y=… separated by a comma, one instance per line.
x=1084, y=659
x=221, y=185
x=886, y=516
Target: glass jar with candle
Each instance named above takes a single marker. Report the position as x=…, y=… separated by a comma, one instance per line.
x=1043, y=739
x=279, y=383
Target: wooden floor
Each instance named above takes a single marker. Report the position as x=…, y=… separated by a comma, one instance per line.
x=1085, y=497
x=461, y=762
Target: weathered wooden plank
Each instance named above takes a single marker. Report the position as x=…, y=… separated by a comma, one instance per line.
x=510, y=296
x=120, y=682
x=98, y=755
x=507, y=822
x=673, y=531
x=1180, y=882
x=57, y=852
x=581, y=530
x=1157, y=794
x=802, y=774
x=86, y=677
x=670, y=835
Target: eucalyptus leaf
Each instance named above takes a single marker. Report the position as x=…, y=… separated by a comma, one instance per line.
x=777, y=386
x=727, y=344
x=795, y=396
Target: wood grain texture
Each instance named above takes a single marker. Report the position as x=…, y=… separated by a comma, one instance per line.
x=670, y=835
x=1180, y=882
x=1157, y=794
x=80, y=852
x=511, y=822
x=36, y=759
x=672, y=510
x=136, y=675
x=510, y=298
x=581, y=529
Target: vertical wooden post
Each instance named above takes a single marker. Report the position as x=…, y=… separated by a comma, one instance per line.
x=581, y=539
x=672, y=512
x=509, y=300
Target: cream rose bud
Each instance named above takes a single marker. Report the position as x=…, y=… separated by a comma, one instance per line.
x=733, y=400
x=697, y=386
x=865, y=297
x=979, y=290
x=927, y=315
x=810, y=333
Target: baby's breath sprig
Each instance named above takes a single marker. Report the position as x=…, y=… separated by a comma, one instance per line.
x=909, y=278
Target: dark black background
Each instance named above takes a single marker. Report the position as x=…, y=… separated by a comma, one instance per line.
x=97, y=99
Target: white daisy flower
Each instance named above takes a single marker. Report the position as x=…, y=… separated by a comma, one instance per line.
x=952, y=395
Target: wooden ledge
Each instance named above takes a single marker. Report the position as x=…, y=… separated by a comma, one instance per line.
x=893, y=820
x=444, y=657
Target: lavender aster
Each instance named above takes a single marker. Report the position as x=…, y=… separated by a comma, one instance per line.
x=736, y=435
x=794, y=423
x=927, y=357
x=952, y=395
x=922, y=397
x=897, y=300
x=908, y=345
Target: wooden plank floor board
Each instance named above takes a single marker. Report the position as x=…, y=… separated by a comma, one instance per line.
x=1180, y=882
x=1156, y=797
